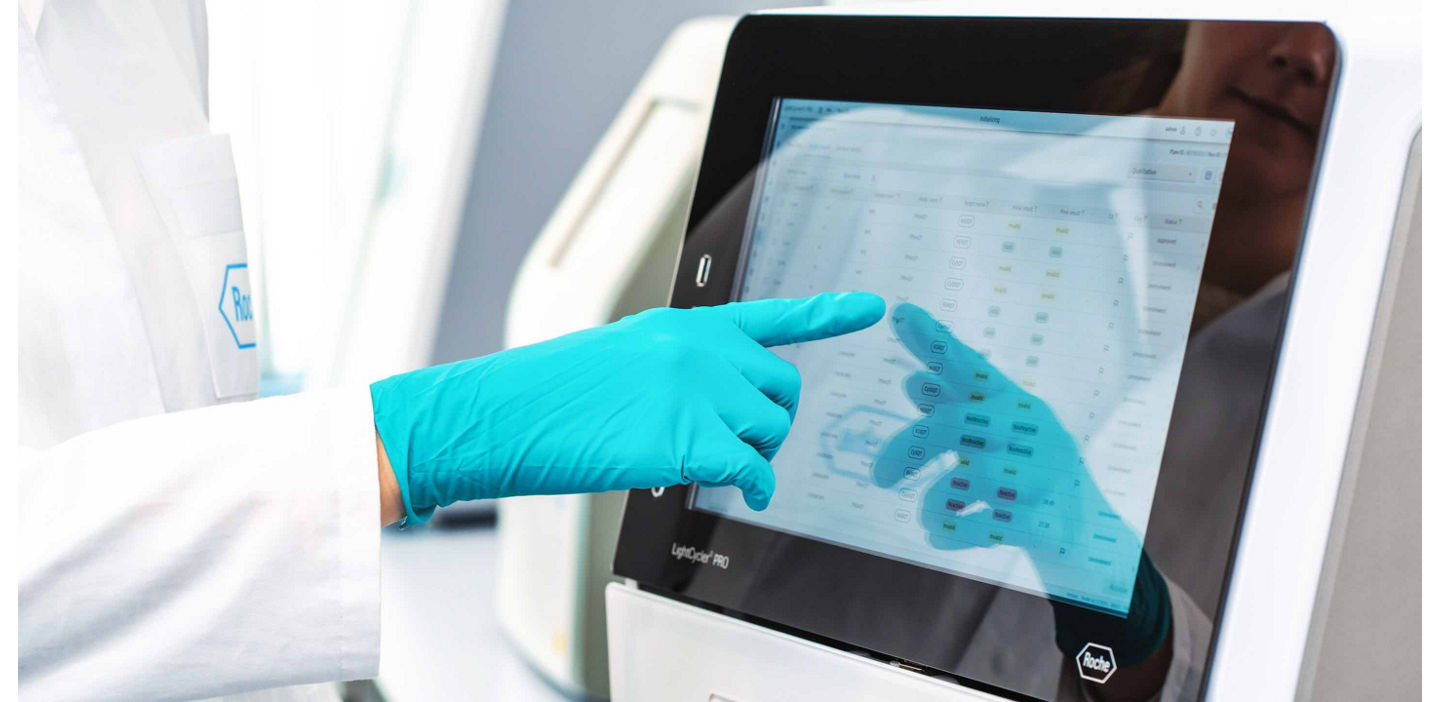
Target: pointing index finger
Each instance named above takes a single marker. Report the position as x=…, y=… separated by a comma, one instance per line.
x=926, y=339
x=778, y=322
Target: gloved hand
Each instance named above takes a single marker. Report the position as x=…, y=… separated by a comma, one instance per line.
x=1018, y=479
x=660, y=398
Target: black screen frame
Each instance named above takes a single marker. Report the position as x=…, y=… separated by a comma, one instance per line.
x=886, y=60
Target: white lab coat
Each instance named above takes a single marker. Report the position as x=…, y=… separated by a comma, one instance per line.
x=177, y=540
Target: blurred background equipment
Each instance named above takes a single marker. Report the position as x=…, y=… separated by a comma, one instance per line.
x=608, y=251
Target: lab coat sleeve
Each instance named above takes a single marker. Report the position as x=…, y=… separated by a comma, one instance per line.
x=203, y=552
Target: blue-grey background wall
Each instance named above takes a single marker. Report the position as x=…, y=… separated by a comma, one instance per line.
x=564, y=69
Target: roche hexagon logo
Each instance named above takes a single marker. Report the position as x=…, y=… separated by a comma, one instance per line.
x=235, y=305
x=1096, y=662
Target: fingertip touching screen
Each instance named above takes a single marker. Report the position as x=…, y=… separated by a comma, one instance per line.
x=1041, y=271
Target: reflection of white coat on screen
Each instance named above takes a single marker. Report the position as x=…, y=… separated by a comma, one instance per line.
x=165, y=554
x=1207, y=457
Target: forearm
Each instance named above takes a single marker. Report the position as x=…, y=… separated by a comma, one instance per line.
x=392, y=505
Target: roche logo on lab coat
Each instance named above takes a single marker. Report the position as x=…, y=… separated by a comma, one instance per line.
x=1096, y=662
x=235, y=305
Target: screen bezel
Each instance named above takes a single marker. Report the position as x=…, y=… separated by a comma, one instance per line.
x=889, y=60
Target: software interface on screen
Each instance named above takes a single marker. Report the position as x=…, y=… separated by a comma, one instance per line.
x=1006, y=421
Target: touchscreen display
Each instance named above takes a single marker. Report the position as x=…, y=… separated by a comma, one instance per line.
x=1006, y=421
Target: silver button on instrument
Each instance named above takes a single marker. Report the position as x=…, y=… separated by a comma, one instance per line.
x=702, y=273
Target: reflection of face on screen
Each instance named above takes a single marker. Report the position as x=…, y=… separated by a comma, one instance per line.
x=1007, y=422
x=1273, y=80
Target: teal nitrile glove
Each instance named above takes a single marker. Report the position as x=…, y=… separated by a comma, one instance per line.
x=660, y=398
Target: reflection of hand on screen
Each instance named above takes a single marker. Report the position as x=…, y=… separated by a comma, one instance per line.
x=1016, y=479
x=1001, y=447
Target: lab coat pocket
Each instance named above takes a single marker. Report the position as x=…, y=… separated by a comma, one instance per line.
x=192, y=182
